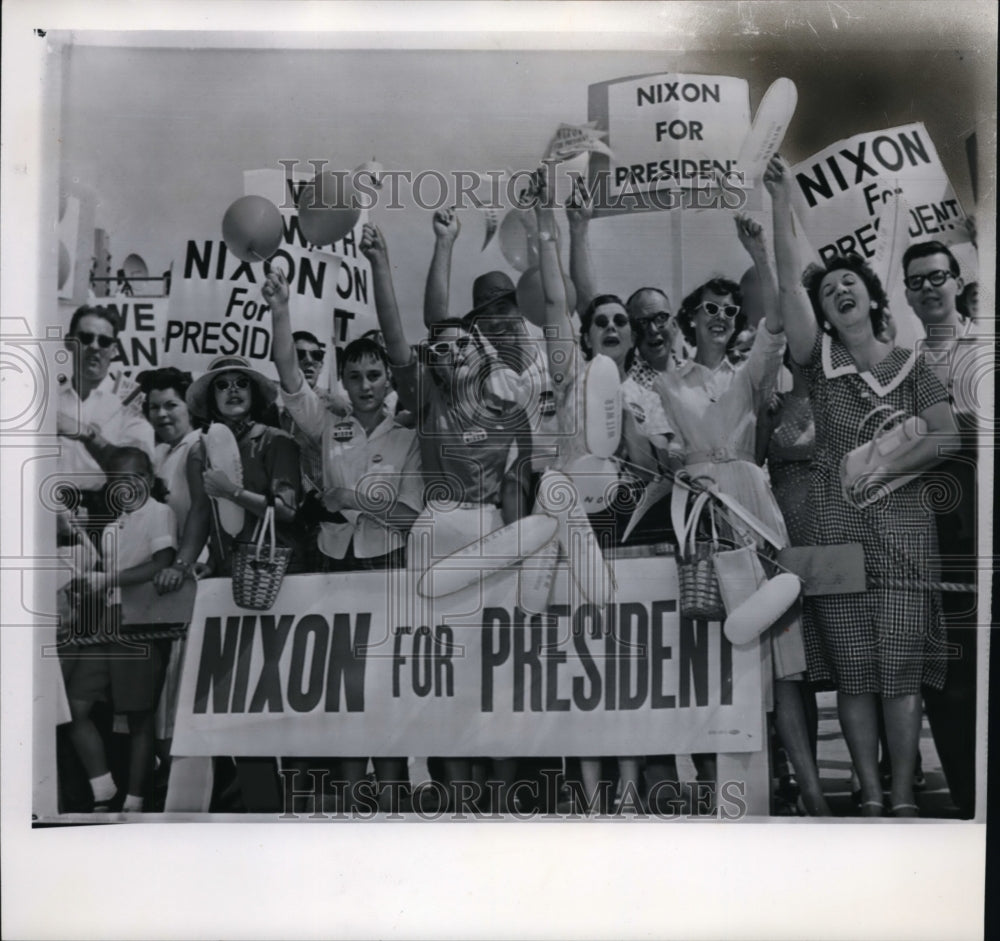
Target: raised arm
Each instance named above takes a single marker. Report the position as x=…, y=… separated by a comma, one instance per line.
x=795, y=307
x=373, y=247
x=560, y=344
x=751, y=236
x=579, y=211
x=275, y=292
x=446, y=228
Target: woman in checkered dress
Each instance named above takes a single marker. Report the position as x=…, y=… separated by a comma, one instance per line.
x=884, y=643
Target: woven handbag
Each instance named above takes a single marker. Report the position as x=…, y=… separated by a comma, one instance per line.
x=700, y=597
x=258, y=570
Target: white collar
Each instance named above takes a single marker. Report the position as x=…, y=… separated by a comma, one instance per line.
x=837, y=362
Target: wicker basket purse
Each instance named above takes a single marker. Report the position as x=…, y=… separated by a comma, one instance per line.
x=258, y=570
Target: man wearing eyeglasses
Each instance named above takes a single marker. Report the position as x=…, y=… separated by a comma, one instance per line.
x=933, y=283
x=95, y=417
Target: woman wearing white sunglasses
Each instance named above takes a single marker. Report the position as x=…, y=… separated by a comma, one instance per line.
x=712, y=401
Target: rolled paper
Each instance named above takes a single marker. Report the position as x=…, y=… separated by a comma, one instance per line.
x=492, y=217
x=762, y=608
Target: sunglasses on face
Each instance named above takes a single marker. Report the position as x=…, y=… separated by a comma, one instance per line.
x=601, y=321
x=445, y=349
x=224, y=385
x=86, y=338
x=712, y=309
x=659, y=320
x=916, y=281
x=310, y=356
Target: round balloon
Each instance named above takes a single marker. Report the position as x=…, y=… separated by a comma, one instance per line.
x=531, y=297
x=252, y=229
x=514, y=240
x=326, y=210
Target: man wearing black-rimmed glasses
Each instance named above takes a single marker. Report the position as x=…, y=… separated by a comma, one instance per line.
x=933, y=281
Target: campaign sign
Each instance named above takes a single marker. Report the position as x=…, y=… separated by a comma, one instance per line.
x=668, y=132
x=216, y=306
x=361, y=664
x=841, y=191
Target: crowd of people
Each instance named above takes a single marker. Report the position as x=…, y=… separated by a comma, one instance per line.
x=763, y=393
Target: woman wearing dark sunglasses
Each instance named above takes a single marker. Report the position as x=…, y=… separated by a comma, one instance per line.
x=238, y=396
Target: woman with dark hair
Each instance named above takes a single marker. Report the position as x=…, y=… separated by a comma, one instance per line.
x=232, y=393
x=165, y=407
x=882, y=644
x=712, y=401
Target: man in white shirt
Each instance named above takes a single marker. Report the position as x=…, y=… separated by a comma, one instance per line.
x=96, y=413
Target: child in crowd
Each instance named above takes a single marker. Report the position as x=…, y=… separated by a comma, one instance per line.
x=137, y=545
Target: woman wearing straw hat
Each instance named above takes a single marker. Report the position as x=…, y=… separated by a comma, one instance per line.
x=233, y=393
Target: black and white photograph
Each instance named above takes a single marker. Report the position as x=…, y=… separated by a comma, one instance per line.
x=497, y=437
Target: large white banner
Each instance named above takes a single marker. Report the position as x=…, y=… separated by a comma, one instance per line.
x=350, y=665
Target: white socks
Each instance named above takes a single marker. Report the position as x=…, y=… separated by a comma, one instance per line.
x=103, y=787
x=132, y=803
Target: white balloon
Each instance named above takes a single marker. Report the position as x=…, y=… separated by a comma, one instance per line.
x=768, y=603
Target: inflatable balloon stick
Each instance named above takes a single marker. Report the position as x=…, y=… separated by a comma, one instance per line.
x=252, y=229
x=501, y=549
x=762, y=609
x=602, y=406
x=557, y=497
x=764, y=138
x=223, y=454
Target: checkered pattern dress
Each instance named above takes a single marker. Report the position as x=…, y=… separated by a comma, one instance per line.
x=884, y=640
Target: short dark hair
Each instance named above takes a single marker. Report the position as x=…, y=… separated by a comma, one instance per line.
x=587, y=318
x=157, y=380
x=637, y=295
x=923, y=249
x=813, y=277
x=105, y=313
x=359, y=349
x=121, y=457
x=305, y=335
x=691, y=303
x=962, y=301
